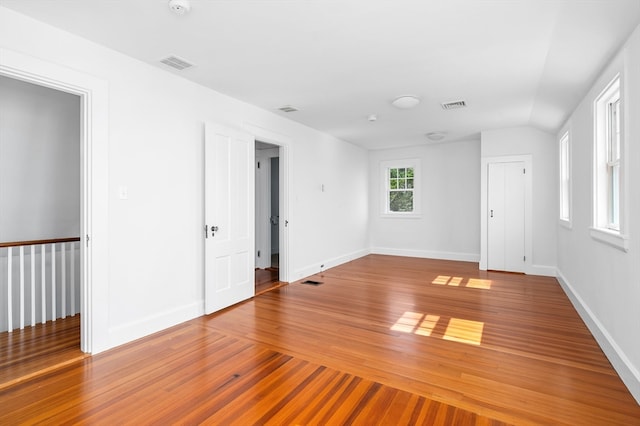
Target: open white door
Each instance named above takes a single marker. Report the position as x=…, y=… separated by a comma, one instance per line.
x=229, y=217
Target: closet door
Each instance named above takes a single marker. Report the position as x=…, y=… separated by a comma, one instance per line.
x=506, y=216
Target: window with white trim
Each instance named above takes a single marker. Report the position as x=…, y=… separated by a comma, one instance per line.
x=565, y=179
x=608, y=196
x=400, y=192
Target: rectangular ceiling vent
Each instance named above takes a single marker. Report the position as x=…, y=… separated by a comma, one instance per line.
x=288, y=108
x=454, y=104
x=176, y=63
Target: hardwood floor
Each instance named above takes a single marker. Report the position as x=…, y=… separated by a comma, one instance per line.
x=35, y=350
x=383, y=340
x=266, y=280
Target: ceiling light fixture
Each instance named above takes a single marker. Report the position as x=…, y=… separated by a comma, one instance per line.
x=372, y=117
x=179, y=7
x=406, y=102
x=436, y=136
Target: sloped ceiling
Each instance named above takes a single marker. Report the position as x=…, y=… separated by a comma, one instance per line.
x=515, y=63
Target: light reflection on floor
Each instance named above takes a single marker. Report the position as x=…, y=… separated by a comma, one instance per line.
x=457, y=329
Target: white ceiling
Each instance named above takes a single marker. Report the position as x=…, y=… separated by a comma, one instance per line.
x=515, y=62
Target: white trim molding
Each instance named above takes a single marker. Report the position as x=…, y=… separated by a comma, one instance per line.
x=620, y=361
x=94, y=94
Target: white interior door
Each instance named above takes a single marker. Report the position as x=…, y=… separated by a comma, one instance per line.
x=506, y=216
x=495, y=217
x=229, y=217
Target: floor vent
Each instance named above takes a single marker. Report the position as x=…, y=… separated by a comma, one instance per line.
x=176, y=63
x=454, y=104
x=311, y=282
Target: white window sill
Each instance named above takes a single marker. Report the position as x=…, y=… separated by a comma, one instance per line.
x=612, y=238
x=565, y=223
x=401, y=215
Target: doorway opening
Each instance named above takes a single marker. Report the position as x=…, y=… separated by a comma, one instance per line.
x=268, y=223
x=41, y=251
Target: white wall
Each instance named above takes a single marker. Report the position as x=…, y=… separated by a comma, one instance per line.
x=39, y=162
x=155, y=271
x=449, y=226
x=543, y=150
x=603, y=281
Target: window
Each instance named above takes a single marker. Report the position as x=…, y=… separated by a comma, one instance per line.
x=613, y=163
x=400, y=181
x=608, y=197
x=565, y=179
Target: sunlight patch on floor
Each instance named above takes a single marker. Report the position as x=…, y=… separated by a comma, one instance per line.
x=459, y=282
x=457, y=329
x=464, y=331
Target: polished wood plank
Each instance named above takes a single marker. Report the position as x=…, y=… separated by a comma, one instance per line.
x=266, y=280
x=384, y=340
x=198, y=376
x=35, y=350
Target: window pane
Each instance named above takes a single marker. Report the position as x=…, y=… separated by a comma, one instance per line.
x=410, y=183
x=401, y=173
x=614, y=211
x=401, y=201
x=410, y=172
x=401, y=183
x=393, y=173
x=564, y=177
x=393, y=184
x=616, y=131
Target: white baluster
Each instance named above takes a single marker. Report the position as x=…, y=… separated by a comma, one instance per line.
x=43, y=282
x=9, y=288
x=33, y=285
x=73, y=279
x=63, y=280
x=21, y=287
x=53, y=282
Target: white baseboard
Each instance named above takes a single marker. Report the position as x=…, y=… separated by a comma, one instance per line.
x=546, y=271
x=442, y=255
x=128, y=332
x=621, y=363
x=330, y=263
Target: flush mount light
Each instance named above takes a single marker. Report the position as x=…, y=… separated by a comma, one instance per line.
x=372, y=117
x=179, y=7
x=436, y=136
x=406, y=102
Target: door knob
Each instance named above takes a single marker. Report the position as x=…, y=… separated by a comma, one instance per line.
x=214, y=229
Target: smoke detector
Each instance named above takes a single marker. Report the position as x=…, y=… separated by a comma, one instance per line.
x=179, y=7
x=436, y=136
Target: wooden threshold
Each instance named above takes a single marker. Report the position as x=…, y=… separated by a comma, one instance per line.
x=384, y=340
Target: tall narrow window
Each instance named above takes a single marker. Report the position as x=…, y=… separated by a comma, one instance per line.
x=613, y=163
x=400, y=184
x=565, y=179
x=608, y=196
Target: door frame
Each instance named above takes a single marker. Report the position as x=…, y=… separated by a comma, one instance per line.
x=527, y=159
x=285, y=146
x=94, y=247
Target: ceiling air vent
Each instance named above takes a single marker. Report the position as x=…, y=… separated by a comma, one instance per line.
x=454, y=104
x=288, y=108
x=176, y=63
